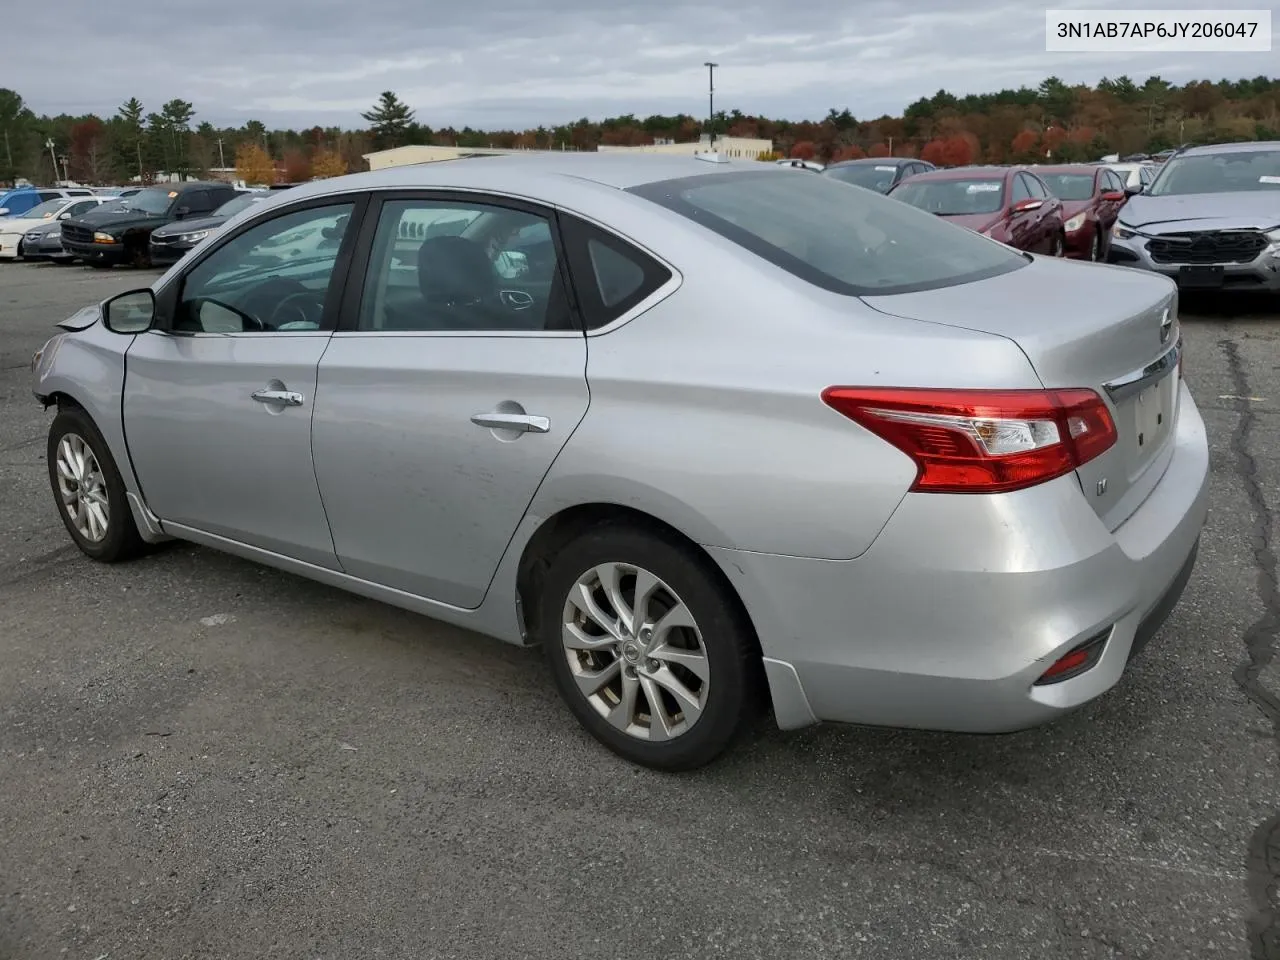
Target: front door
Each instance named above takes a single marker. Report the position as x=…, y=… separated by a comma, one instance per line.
x=218, y=403
x=455, y=379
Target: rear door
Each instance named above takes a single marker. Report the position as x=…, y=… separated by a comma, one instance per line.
x=448, y=391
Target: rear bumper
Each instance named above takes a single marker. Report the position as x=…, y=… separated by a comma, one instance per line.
x=962, y=603
x=1262, y=273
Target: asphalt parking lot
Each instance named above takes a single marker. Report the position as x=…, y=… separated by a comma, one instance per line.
x=204, y=758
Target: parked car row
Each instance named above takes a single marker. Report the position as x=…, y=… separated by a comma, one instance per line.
x=150, y=226
x=1205, y=216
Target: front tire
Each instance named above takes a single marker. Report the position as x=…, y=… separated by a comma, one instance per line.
x=88, y=489
x=1095, y=248
x=1059, y=247
x=647, y=648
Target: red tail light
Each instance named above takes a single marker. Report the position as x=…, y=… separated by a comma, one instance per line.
x=982, y=441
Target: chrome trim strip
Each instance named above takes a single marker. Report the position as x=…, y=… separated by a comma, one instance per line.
x=1134, y=382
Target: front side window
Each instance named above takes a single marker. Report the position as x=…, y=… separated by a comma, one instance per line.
x=273, y=277
x=462, y=266
x=1036, y=186
x=854, y=242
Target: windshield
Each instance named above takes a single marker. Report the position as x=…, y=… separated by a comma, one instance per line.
x=853, y=242
x=46, y=210
x=952, y=198
x=878, y=177
x=235, y=205
x=1234, y=172
x=152, y=200
x=1069, y=186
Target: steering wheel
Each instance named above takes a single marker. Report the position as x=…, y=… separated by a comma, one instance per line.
x=297, y=307
x=267, y=298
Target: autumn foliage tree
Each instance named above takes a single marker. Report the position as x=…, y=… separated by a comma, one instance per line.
x=851, y=152
x=804, y=150
x=878, y=150
x=88, y=160
x=254, y=165
x=1024, y=145
x=297, y=166
x=327, y=163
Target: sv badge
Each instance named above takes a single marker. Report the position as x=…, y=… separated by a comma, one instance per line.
x=1102, y=486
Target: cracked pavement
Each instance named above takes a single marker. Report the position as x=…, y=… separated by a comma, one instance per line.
x=204, y=758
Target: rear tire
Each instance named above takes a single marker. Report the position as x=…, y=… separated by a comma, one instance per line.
x=88, y=490
x=1059, y=248
x=692, y=650
x=1095, y=248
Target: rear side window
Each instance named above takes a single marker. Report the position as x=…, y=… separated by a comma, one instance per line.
x=853, y=242
x=610, y=275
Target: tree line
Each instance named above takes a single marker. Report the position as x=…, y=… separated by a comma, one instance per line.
x=1054, y=120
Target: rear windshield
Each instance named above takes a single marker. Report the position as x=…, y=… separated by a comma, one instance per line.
x=853, y=242
x=953, y=198
x=873, y=176
x=1069, y=186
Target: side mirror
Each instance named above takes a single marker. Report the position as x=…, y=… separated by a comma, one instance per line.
x=1114, y=196
x=1023, y=206
x=64, y=216
x=132, y=312
x=1133, y=190
x=182, y=213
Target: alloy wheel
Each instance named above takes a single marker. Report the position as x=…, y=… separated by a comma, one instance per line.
x=634, y=652
x=82, y=488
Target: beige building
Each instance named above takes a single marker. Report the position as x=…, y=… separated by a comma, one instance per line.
x=736, y=147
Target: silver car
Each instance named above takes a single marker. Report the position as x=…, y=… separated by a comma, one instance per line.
x=712, y=433
x=1209, y=220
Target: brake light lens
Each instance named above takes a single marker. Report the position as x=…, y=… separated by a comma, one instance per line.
x=982, y=441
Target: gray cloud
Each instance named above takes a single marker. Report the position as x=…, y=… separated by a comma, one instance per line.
x=521, y=63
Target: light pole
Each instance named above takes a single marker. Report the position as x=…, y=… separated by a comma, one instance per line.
x=54, y=157
x=711, y=100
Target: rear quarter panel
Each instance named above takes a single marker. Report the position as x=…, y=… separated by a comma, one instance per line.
x=706, y=410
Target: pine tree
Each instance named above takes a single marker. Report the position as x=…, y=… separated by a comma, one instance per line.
x=388, y=121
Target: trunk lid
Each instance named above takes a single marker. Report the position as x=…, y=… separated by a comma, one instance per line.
x=1111, y=337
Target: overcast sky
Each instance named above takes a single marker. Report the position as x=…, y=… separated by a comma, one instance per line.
x=521, y=63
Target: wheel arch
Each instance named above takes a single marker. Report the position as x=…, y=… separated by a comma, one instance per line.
x=568, y=524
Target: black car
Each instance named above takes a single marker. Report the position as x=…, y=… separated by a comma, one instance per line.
x=120, y=231
x=170, y=243
x=880, y=174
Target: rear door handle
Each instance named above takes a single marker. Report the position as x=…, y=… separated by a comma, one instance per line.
x=286, y=397
x=524, y=422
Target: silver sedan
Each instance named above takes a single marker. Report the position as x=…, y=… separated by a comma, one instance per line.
x=718, y=436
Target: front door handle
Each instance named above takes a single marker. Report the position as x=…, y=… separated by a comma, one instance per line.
x=286, y=397
x=512, y=421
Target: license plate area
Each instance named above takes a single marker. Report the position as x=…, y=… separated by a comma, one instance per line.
x=1153, y=411
x=1201, y=276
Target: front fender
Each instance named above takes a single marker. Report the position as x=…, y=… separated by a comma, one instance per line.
x=87, y=367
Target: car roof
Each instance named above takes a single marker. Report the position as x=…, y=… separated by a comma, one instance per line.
x=513, y=173
x=1208, y=149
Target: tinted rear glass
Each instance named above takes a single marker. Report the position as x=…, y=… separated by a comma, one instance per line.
x=873, y=176
x=854, y=242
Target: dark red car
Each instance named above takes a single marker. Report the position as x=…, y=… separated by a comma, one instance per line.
x=1091, y=196
x=1009, y=204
